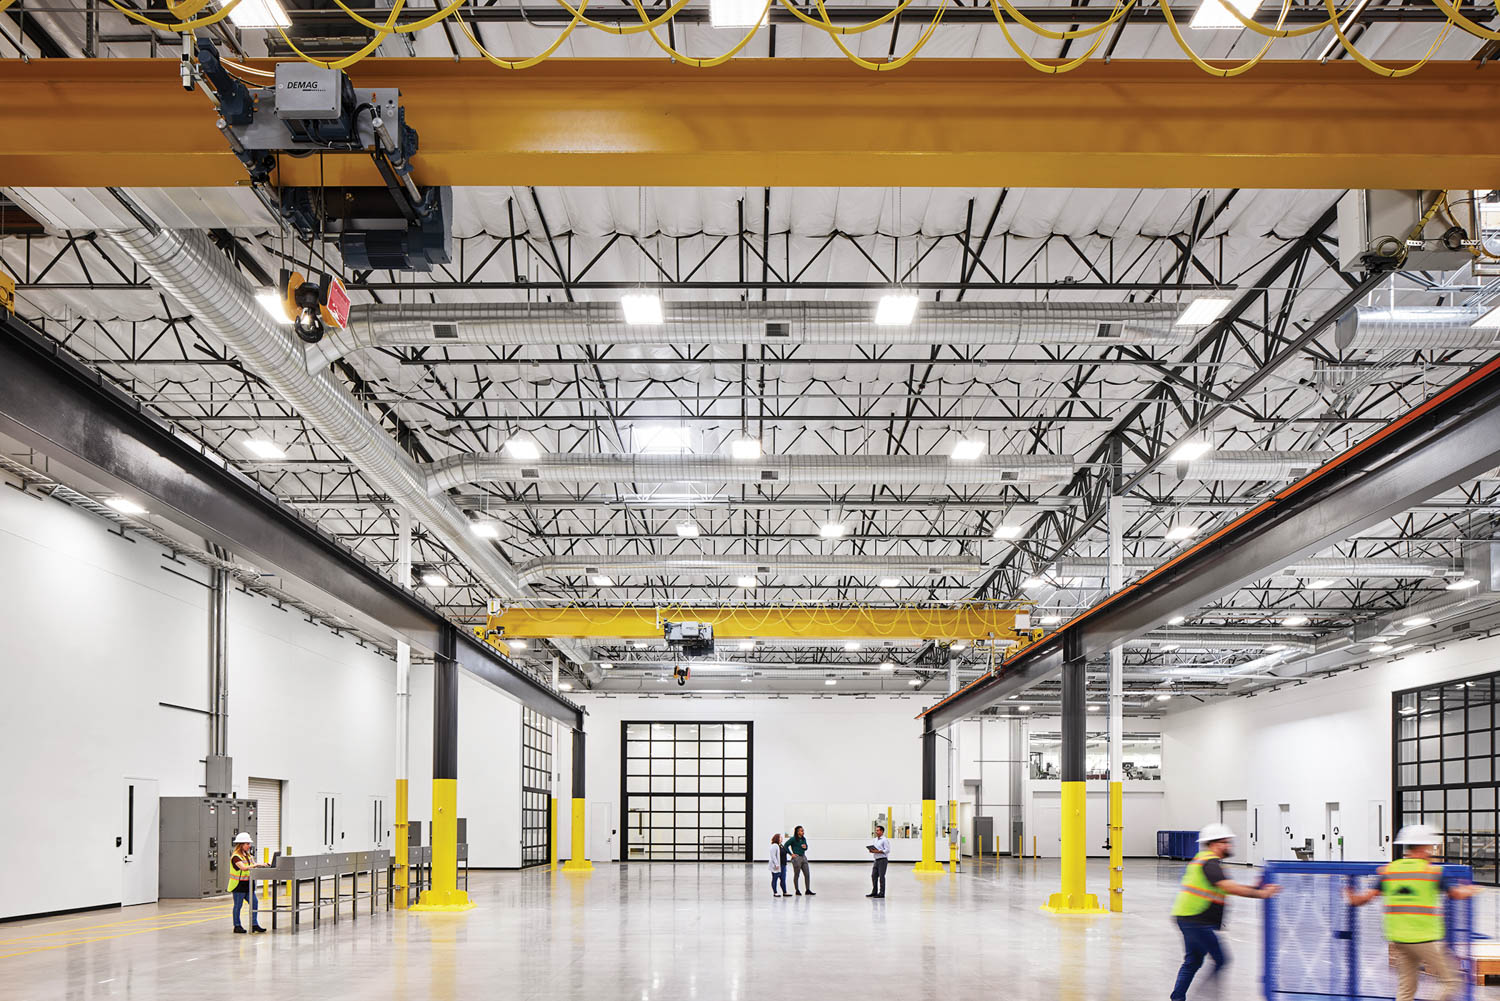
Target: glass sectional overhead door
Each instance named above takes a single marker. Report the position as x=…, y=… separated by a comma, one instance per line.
x=536, y=788
x=686, y=790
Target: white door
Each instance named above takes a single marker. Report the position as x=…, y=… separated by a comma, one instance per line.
x=1284, y=831
x=380, y=822
x=1260, y=833
x=1236, y=815
x=140, y=820
x=1379, y=836
x=1333, y=833
x=334, y=826
x=601, y=833
x=267, y=796
x=1046, y=830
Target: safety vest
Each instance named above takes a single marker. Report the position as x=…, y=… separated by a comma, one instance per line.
x=235, y=876
x=1413, y=901
x=1196, y=893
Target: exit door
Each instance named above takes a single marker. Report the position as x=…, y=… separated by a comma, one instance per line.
x=1333, y=833
x=140, y=822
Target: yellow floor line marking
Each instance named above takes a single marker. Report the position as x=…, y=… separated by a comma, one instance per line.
x=115, y=924
x=105, y=938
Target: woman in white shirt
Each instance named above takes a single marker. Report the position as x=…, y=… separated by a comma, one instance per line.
x=777, y=862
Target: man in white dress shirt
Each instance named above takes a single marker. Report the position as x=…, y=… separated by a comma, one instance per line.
x=880, y=849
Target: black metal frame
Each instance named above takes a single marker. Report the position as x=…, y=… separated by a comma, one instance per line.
x=54, y=404
x=749, y=787
x=1460, y=781
x=536, y=781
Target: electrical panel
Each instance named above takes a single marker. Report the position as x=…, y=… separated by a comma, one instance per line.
x=197, y=838
x=1403, y=230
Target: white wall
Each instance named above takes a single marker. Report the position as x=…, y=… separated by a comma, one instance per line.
x=806, y=750
x=1328, y=740
x=100, y=628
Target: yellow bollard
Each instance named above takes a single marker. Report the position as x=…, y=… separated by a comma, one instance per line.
x=403, y=845
x=929, y=863
x=953, y=835
x=265, y=884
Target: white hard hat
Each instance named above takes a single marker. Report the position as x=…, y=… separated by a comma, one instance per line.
x=1214, y=832
x=1419, y=834
x=243, y=839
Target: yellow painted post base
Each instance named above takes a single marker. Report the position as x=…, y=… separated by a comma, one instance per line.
x=445, y=894
x=579, y=862
x=929, y=863
x=552, y=835
x=443, y=900
x=1073, y=899
x=1073, y=903
x=1116, y=847
x=398, y=870
x=952, y=839
x=934, y=868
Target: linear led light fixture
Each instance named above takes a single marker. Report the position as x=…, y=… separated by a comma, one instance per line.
x=1489, y=321
x=641, y=309
x=747, y=582
x=852, y=645
x=263, y=449
x=1187, y=451
x=1417, y=620
x=1177, y=620
x=968, y=449
x=887, y=665
x=1463, y=584
x=1050, y=620
x=259, y=14
x=914, y=682
x=745, y=448
x=523, y=449
x=1293, y=621
x=600, y=580
x=896, y=309
x=687, y=529
x=1213, y=14
x=832, y=530
x=124, y=505
x=890, y=582
x=485, y=529
x=1321, y=583
x=735, y=13
x=1007, y=532
x=1179, y=532
x=433, y=579
x=747, y=645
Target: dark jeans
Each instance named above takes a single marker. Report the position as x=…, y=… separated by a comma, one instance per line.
x=240, y=893
x=778, y=878
x=1198, y=940
x=877, y=877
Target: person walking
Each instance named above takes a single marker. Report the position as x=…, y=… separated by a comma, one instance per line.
x=240, y=886
x=797, y=851
x=1414, y=889
x=1199, y=908
x=880, y=848
x=777, y=862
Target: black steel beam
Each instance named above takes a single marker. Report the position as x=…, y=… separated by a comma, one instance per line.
x=1452, y=437
x=579, y=764
x=445, y=706
x=51, y=402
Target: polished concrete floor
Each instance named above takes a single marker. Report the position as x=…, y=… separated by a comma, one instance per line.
x=658, y=932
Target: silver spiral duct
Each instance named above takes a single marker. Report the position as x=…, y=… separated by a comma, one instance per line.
x=1251, y=466
x=1413, y=329
x=1222, y=639
x=655, y=566
x=1329, y=566
x=187, y=266
x=841, y=323
x=772, y=470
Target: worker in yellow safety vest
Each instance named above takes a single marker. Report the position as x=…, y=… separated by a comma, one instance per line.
x=240, y=863
x=1199, y=908
x=1414, y=889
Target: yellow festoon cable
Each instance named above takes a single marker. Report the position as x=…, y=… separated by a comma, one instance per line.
x=627, y=29
x=199, y=22
x=1203, y=64
x=403, y=29
x=892, y=64
x=834, y=29
x=711, y=61
x=1387, y=71
x=1119, y=12
x=1280, y=32
x=527, y=63
x=381, y=34
x=1037, y=64
x=1455, y=16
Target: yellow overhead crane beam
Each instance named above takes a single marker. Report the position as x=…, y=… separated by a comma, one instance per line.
x=975, y=623
x=973, y=122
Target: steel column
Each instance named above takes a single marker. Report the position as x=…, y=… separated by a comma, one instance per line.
x=1074, y=897
x=579, y=861
x=929, y=862
x=1116, y=717
x=445, y=894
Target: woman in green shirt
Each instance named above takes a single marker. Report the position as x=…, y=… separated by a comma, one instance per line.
x=796, y=848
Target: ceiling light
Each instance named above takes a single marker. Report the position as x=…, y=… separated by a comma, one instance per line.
x=1213, y=14
x=1405, y=647
x=263, y=449
x=1292, y=621
x=434, y=579
x=830, y=681
x=485, y=529
x=1032, y=583
x=1050, y=620
x=641, y=309
x=746, y=679
x=745, y=448
x=640, y=645
x=518, y=644
x=1489, y=321
x=1417, y=620
x=914, y=682
x=1187, y=451
x=600, y=580
x=1276, y=648
x=605, y=665
x=968, y=449
x=735, y=13
x=1321, y=583
x=124, y=505
x=1177, y=620
x=887, y=665
x=1203, y=311
x=1007, y=531
x=890, y=582
x=959, y=645
x=664, y=438
x=832, y=530
x=270, y=300
x=747, y=582
x=747, y=644
x=1463, y=584
x=1163, y=697
x=852, y=645
x=1168, y=647
x=259, y=14
x=1024, y=709
x=566, y=686
x=1093, y=708
x=523, y=449
x=687, y=529
x=1381, y=648
x=1179, y=532
x=896, y=309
